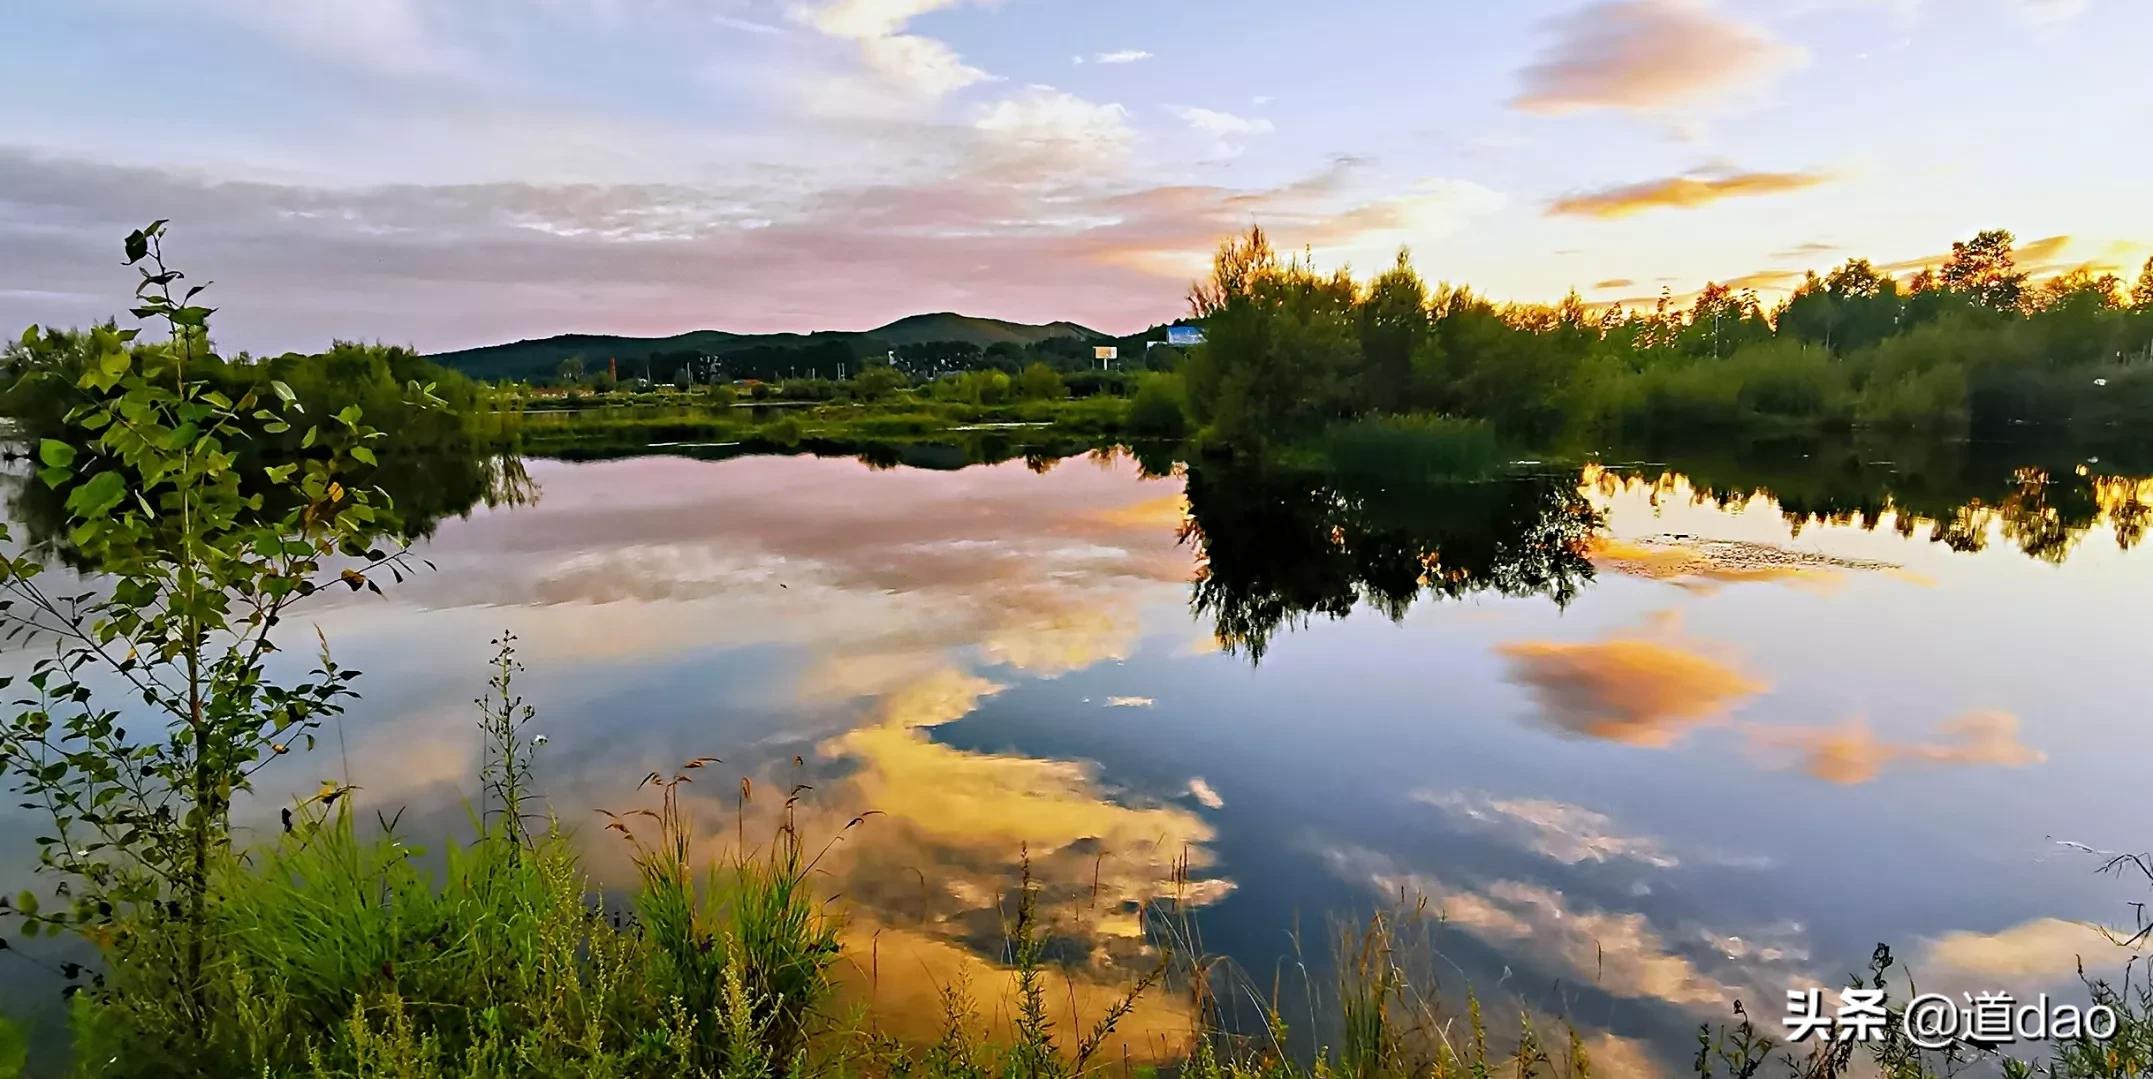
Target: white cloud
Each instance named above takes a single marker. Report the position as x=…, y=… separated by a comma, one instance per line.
x=1120, y=56
x=747, y=26
x=1649, y=56
x=1051, y=127
x=918, y=65
x=921, y=67
x=863, y=19
x=2050, y=11
x=1220, y=125
x=1619, y=952
x=388, y=36
x=1566, y=833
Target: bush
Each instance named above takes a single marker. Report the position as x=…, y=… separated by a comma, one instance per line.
x=972, y=388
x=1160, y=408
x=1040, y=383
x=1932, y=400
x=1789, y=380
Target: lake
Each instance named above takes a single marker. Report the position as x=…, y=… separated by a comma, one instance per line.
x=1645, y=738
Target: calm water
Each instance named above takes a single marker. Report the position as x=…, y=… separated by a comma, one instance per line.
x=1644, y=748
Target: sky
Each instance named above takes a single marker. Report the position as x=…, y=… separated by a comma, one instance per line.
x=451, y=173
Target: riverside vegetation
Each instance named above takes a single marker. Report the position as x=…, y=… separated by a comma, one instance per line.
x=204, y=508
x=1972, y=347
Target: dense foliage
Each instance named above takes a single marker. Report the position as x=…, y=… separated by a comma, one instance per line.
x=1973, y=348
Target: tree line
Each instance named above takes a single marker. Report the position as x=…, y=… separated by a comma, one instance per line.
x=838, y=359
x=1973, y=347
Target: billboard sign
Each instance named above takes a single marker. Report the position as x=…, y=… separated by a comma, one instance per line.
x=1184, y=336
x=1105, y=352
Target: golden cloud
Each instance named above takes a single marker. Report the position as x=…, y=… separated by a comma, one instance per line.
x=985, y=810
x=901, y=975
x=1853, y=753
x=1641, y=692
x=1686, y=192
x=1053, y=638
x=2044, y=951
x=2038, y=257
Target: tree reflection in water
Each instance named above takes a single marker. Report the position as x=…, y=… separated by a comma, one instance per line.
x=1275, y=546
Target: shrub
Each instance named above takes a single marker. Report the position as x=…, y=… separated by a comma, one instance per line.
x=1160, y=408
x=1039, y=382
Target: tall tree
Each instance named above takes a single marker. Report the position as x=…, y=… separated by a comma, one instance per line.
x=1857, y=279
x=1235, y=268
x=1394, y=322
x=1985, y=268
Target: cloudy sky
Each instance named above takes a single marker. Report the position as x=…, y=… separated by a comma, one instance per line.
x=447, y=173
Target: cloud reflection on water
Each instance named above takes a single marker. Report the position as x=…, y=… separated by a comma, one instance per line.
x=901, y=600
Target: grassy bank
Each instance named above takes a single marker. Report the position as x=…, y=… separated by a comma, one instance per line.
x=904, y=417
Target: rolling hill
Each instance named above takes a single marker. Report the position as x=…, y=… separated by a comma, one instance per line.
x=540, y=358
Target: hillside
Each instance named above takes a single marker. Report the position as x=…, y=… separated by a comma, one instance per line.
x=540, y=358
x=950, y=326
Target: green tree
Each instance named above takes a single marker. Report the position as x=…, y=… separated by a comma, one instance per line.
x=1393, y=324
x=1038, y=382
x=570, y=370
x=878, y=382
x=1282, y=356
x=1236, y=267
x=1856, y=279
x=2142, y=292
x=201, y=572
x=1985, y=268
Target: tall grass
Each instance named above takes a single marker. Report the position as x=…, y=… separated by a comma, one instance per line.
x=1415, y=446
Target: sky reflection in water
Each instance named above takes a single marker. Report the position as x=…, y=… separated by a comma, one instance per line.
x=1734, y=759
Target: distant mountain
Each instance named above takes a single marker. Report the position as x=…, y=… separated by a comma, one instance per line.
x=541, y=358
x=950, y=326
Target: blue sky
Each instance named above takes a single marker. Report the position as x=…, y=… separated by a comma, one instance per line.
x=455, y=173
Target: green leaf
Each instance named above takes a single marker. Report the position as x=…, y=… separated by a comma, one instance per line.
x=26, y=902
x=284, y=392
x=55, y=453
x=113, y=364
x=362, y=454
x=138, y=247
x=96, y=498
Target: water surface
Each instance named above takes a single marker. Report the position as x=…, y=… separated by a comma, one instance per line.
x=1645, y=743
